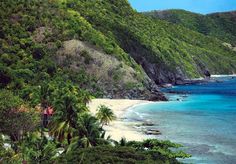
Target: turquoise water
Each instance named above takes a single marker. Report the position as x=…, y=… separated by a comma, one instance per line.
x=204, y=120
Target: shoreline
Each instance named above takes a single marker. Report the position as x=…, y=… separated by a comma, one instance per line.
x=119, y=128
x=213, y=78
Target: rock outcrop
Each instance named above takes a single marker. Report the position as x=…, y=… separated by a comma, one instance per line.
x=114, y=77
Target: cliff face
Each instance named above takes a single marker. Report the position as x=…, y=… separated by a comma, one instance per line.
x=115, y=78
x=159, y=72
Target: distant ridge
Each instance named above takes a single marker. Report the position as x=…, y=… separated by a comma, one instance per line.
x=221, y=25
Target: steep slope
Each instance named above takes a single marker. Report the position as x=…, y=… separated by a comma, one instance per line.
x=44, y=40
x=167, y=52
x=36, y=37
x=219, y=25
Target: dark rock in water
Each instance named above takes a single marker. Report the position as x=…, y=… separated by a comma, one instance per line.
x=178, y=92
x=153, y=132
x=157, y=97
x=147, y=124
x=189, y=81
x=207, y=73
x=137, y=120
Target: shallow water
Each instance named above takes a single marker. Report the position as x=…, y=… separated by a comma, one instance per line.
x=204, y=120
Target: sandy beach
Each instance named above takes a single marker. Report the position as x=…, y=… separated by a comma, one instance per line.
x=118, y=128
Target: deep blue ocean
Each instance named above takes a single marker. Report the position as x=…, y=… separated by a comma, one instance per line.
x=203, y=120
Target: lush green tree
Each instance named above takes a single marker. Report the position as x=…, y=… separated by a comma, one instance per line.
x=61, y=131
x=38, y=149
x=6, y=153
x=88, y=134
x=89, y=130
x=159, y=149
x=105, y=115
x=122, y=154
x=69, y=102
x=16, y=119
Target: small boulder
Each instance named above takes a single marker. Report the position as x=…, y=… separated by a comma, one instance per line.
x=147, y=124
x=153, y=132
x=207, y=73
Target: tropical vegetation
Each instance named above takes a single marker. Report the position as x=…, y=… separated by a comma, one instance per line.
x=73, y=134
x=218, y=25
x=51, y=53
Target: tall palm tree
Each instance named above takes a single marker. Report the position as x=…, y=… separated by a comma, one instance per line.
x=68, y=106
x=105, y=115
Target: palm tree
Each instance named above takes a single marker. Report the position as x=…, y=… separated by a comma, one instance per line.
x=88, y=133
x=61, y=131
x=89, y=130
x=68, y=106
x=37, y=149
x=105, y=115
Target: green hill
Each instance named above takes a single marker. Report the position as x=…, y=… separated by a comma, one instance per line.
x=167, y=52
x=219, y=25
x=45, y=40
x=107, y=42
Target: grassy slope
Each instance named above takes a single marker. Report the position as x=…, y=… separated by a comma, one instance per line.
x=219, y=25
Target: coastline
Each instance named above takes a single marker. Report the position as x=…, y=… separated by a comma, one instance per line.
x=119, y=128
x=180, y=120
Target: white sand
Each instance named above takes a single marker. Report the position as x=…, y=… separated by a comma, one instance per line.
x=118, y=128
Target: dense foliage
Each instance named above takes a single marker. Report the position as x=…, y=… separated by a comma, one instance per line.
x=31, y=80
x=173, y=48
x=72, y=135
x=32, y=32
x=219, y=25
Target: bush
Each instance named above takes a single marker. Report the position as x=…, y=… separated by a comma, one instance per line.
x=106, y=154
x=38, y=52
x=16, y=119
x=5, y=77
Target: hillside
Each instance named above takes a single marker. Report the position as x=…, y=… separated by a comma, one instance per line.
x=103, y=46
x=167, y=52
x=44, y=40
x=219, y=25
